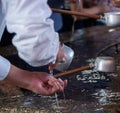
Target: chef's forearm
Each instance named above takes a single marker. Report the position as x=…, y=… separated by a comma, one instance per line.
x=18, y=77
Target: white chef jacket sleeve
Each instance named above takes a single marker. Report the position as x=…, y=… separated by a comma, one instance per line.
x=36, y=41
x=4, y=68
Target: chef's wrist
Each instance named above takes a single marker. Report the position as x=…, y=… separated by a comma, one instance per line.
x=18, y=77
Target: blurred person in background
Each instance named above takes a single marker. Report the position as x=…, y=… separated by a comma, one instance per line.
x=89, y=7
x=102, y=6
x=116, y=3
x=92, y=7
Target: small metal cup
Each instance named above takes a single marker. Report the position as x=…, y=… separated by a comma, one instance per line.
x=66, y=61
x=105, y=64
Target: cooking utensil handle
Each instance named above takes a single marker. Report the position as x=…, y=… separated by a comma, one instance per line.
x=72, y=71
x=76, y=13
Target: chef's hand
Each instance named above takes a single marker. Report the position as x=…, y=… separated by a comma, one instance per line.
x=37, y=82
x=45, y=84
x=116, y=3
x=103, y=9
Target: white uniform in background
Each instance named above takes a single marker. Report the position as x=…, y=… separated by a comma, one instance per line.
x=36, y=41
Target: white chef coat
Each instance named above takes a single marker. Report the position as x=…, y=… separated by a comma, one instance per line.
x=36, y=41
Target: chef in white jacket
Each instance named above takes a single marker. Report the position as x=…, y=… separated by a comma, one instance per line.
x=36, y=41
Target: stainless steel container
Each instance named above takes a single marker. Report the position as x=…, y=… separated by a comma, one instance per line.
x=112, y=18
